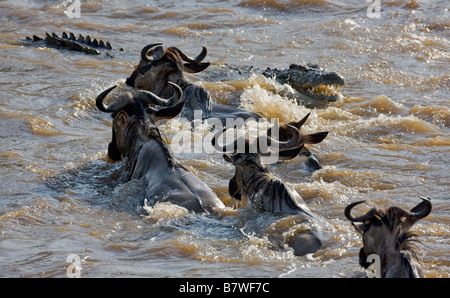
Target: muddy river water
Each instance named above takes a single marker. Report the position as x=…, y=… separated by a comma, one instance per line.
x=388, y=141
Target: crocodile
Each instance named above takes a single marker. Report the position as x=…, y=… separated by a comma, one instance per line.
x=69, y=42
x=310, y=80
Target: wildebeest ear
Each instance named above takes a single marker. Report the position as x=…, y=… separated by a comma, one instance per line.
x=289, y=154
x=195, y=67
x=121, y=119
x=314, y=138
x=166, y=113
x=228, y=158
x=417, y=213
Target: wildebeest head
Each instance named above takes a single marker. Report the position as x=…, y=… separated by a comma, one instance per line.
x=385, y=232
x=248, y=158
x=158, y=66
x=285, y=133
x=130, y=110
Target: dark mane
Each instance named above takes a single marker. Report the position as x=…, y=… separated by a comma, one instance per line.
x=260, y=181
x=152, y=132
x=174, y=58
x=406, y=241
x=139, y=131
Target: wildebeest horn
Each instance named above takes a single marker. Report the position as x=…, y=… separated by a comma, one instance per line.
x=224, y=147
x=145, y=96
x=158, y=52
x=292, y=142
x=290, y=153
x=152, y=99
x=421, y=210
x=283, y=145
x=297, y=125
x=99, y=101
x=301, y=122
x=186, y=58
x=361, y=218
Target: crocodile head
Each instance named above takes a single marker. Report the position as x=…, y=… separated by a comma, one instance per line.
x=71, y=43
x=310, y=80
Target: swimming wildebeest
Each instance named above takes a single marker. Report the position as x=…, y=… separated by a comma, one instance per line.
x=136, y=137
x=385, y=233
x=254, y=182
x=159, y=66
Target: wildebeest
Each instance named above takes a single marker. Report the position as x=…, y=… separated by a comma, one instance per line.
x=254, y=182
x=286, y=134
x=159, y=66
x=136, y=137
x=385, y=233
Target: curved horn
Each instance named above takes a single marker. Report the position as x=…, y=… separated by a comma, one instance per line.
x=223, y=148
x=421, y=210
x=290, y=153
x=152, y=99
x=202, y=55
x=159, y=52
x=186, y=58
x=361, y=218
x=99, y=101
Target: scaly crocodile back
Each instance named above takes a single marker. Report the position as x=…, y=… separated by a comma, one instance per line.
x=70, y=42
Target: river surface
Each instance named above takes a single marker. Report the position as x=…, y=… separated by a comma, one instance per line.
x=388, y=141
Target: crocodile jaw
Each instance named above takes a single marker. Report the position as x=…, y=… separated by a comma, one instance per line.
x=314, y=82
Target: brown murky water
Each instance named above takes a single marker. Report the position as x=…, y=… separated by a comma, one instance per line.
x=388, y=144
